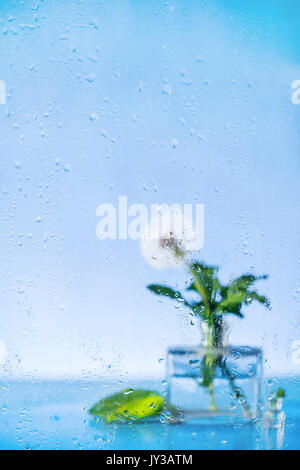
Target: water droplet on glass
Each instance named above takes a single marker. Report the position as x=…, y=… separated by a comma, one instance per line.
x=93, y=117
x=90, y=78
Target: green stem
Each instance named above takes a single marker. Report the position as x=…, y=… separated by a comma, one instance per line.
x=210, y=364
x=200, y=289
x=209, y=315
x=213, y=406
x=237, y=391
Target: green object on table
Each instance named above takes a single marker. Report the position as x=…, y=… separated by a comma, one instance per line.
x=129, y=405
x=280, y=393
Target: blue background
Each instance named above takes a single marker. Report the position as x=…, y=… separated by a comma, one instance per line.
x=216, y=76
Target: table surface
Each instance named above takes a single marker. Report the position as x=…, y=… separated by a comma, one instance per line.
x=54, y=415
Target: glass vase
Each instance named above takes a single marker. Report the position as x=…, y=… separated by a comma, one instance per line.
x=224, y=384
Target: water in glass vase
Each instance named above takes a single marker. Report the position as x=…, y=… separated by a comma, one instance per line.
x=221, y=383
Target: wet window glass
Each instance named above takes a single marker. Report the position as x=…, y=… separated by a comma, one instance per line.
x=149, y=169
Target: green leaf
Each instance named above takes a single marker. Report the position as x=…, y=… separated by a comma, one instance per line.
x=202, y=267
x=236, y=294
x=205, y=275
x=192, y=287
x=216, y=284
x=164, y=290
x=245, y=281
x=280, y=393
x=128, y=405
x=205, y=282
x=198, y=308
x=232, y=299
x=260, y=298
x=159, y=289
x=232, y=303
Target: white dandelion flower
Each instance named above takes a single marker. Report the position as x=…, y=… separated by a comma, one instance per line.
x=168, y=239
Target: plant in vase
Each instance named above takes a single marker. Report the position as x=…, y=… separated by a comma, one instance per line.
x=214, y=302
x=173, y=244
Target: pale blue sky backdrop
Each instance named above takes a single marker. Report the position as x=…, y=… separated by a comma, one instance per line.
x=98, y=92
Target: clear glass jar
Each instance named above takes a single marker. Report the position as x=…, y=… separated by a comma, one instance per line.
x=225, y=384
